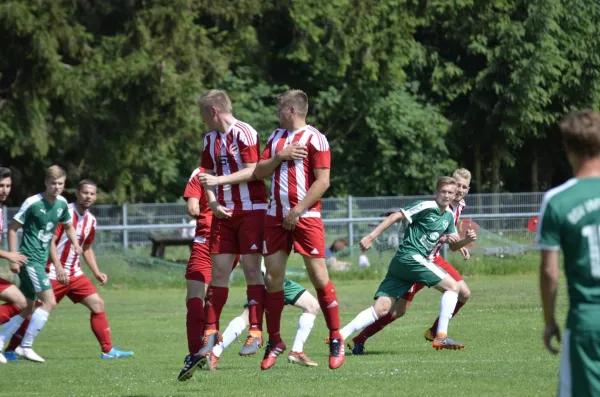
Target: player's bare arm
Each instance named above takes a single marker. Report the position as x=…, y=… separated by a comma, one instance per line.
x=265, y=168
x=61, y=274
x=193, y=207
x=12, y=244
x=217, y=209
x=470, y=237
x=367, y=241
x=72, y=235
x=314, y=193
x=90, y=259
x=549, y=269
x=208, y=179
x=13, y=257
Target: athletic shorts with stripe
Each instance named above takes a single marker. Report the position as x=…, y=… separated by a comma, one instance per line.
x=33, y=279
x=307, y=238
x=240, y=234
x=441, y=262
x=580, y=364
x=4, y=284
x=406, y=270
x=77, y=289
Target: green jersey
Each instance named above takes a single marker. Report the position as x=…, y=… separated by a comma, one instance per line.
x=39, y=219
x=426, y=225
x=570, y=220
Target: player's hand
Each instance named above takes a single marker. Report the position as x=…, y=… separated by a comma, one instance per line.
x=452, y=238
x=102, y=278
x=16, y=257
x=291, y=219
x=78, y=250
x=208, y=180
x=465, y=253
x=15, y=267
x=295, y=151
x=61, y=275
x=471, y=236
x=366, y=243
x=220, y=211
x=551, y=331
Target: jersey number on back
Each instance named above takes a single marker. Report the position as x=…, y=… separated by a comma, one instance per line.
x=592, y=233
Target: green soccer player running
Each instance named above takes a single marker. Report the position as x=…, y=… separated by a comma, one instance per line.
x=429, y=222
x=570, y=220
x=39, y=216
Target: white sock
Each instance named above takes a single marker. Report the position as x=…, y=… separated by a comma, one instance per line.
x=364, y=319
x=38, y=319
x=447, y=306
x=233, y=331
x=9, y=329
x=305, y=325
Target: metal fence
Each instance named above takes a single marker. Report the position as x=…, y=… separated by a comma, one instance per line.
x=350, y=218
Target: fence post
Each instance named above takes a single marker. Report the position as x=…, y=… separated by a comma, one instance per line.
x=350, y=226
x=125, y=232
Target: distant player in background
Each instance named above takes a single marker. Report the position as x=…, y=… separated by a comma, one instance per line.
x=295, y=295
x=430, y=222
x=39, y=217
x=462, y=177
x=570, y=220
x=78, y=288
x=297, y=156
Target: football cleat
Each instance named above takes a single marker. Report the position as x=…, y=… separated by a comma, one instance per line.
x=357, y=349
x=429, y=335
x=10, y=355
x=446, y=343
x=253, y=343
x=115, y=353
x=208, y=342
x=190, y=365
x=28, y=353
x=336, y=352
x=271, y=354
x=301, y=359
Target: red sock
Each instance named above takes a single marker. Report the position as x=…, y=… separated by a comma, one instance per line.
x=7, y=311
x=274, y=302
x=215, y=300
x=194, y=324
x=434, y=327
x=15, y=341
x=101, y=329
x=330, y=307
x=374, y=328
x=256, y=300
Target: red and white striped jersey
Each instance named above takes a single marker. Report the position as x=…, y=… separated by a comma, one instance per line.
x=292, y=179
x=85, y=226
x=226, y=154
x=1, y=223
x=456, y=211
x=194, y=189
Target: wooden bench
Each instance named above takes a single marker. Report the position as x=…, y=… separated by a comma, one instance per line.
x=159, y=243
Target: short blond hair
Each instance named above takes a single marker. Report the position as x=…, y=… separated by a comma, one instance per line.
x=55, y=172
x=463, y=173
x=296, y=99
x=581, y=133
x=443, y=181
x=215, y=98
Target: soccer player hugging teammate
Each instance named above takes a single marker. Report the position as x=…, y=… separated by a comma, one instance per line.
x=239, y=203
x=570, y=220
x=463, y=180
x=298, y=157
x=39, y=216
x=429, y=222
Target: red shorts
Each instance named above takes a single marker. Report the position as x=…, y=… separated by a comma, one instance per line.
x=199, y=266
x=441, y=262
x=240, y=234
x=307, y=238
x=4, y=284
x=78, y=288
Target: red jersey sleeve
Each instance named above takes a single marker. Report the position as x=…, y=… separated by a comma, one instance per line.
x=318, y=151
x=59, y=229
x=207, y=161
x=266, y=154
x=248, y=144
x=90, y=238
x=193, y=188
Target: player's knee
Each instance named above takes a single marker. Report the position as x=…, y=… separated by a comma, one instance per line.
x=382, y=309
x=274, y=280
x=253, y=276
x=313, y=307
x=464, y=293
x=97, y=306
x=21, y=302
x=49, y=305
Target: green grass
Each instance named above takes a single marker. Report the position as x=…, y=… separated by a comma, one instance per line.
x=501, y=326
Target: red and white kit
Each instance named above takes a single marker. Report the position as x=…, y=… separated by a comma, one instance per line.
x=199, y=266
x=437, y=258
x=79, y=286
x=290, y=182
x=225, y=154
x=4, y=284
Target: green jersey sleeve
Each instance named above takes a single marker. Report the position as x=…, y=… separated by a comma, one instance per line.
x=548, y=233
x=24, y=212
x=65, y=216
x=451, y=229
x=417, y=210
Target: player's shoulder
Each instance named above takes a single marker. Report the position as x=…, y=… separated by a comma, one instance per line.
x=555, y=195
x=195, y=172
x=63, y=201
x=210, y=135
x=277, y=133
x=245, y=132
x=35, y=199
x=317, y=138
x=425, y=204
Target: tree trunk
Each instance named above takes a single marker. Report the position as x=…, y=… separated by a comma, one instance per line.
x=478, y=183
x=495, y=169
x=535, y=181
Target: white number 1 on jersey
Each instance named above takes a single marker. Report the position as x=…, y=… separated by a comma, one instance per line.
x=592, y=233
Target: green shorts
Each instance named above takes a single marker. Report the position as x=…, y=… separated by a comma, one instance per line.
x=291, y=292
x=404, y=271
x=580, y=364
x=33, y=279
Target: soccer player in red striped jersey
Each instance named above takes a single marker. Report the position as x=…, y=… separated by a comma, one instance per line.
x=463, y=181
x=67, y=277
x=298, y=157
x=239, y=202
x=8, y=292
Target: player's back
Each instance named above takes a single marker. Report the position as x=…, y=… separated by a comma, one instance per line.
x=571, y=220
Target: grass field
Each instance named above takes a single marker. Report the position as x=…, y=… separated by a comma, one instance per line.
x=501, y=326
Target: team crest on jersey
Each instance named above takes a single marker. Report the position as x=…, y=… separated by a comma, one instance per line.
x=87, y=230
x=434, y=236
x=46, y=235
x=59, y=211
x=445, y=224
x=234, y=149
